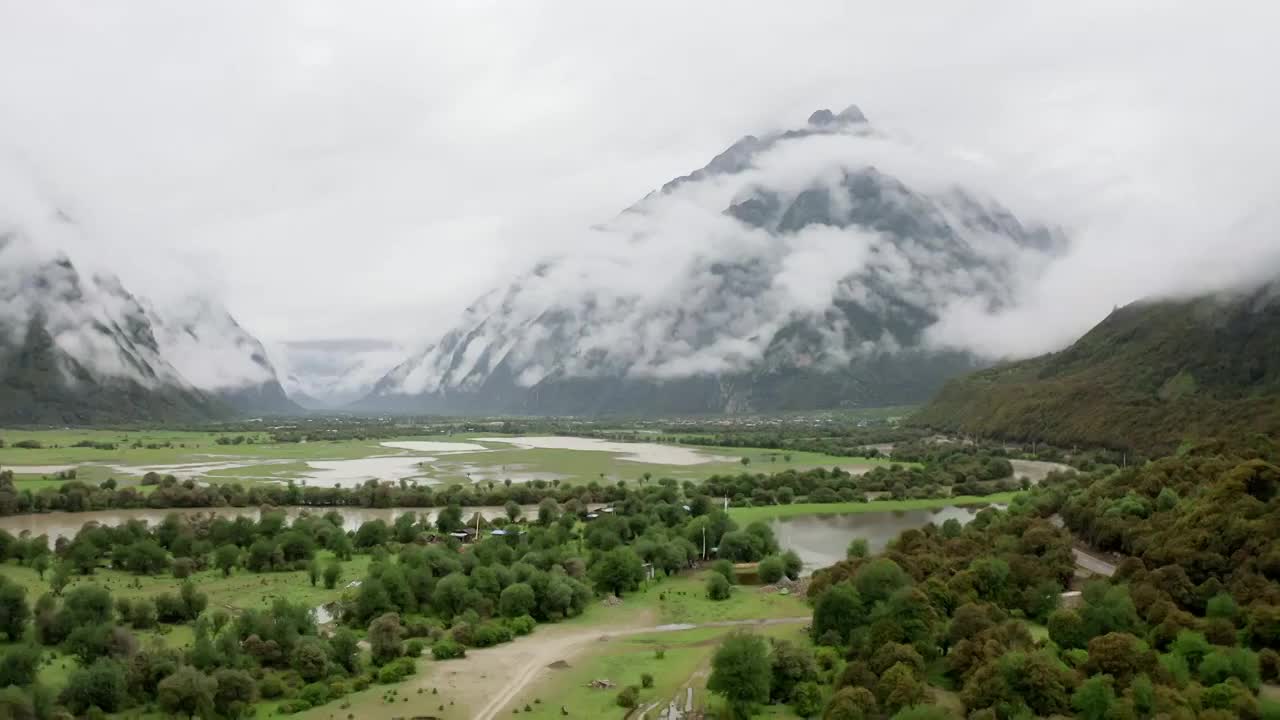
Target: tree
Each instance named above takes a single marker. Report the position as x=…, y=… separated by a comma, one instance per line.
x=331, y=573
x=858, y=548
x=806, y=699
x=792, y=565
x=771, y=569
x=548, y=512
x=18, y=665
x=1094, y=698
x=313, y=571
x=717, y=587
x=187, y=692
x=14, y=611
x=235, y=691
x=100, y=685
x=899, y=688
x=851, y=703
x=1066, y=628
x=790, y=665
x=61, y=576
x=839, y=610
x=740, y=671
x=450, y=596
x=385, y=634
x=617, y=571
x=41, y=564
x=517, y=599
x=344, y=647
x=876, y=580
x=513, y=510
x=628, y=697
x=225, y=558
x=450, y=519
x=310, y=658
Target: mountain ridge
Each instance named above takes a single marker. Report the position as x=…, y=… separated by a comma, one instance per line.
x=1150, y=376
x=821, y=276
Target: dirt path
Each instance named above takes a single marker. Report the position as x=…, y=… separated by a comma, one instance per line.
x=539, y=651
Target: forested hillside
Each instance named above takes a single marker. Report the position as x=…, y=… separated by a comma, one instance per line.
x=1147, y=378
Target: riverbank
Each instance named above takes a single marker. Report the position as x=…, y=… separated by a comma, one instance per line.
x=744, y=515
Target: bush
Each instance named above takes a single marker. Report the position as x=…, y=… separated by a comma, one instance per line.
x=629, y=697
x=717, y=587
x=771, y=569
x=646, y=680
x=271, y=687
x=292, y=707
x=447, y=649
x=413, y=648
x=396, y=670
x=725, y=569
x=315, y=694
x=522, y=625
x=491, y=633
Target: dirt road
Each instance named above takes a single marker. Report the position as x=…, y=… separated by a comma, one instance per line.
x=538, y=651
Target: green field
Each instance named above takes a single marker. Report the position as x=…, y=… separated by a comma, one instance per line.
x=278, y=462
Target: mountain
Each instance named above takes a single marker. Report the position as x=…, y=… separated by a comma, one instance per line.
x=328, y=374
x=794, y=271
x=1151, y=375
x=81, y=350
x=213, y=352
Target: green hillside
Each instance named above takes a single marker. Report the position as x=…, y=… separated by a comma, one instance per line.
x=1150, y=376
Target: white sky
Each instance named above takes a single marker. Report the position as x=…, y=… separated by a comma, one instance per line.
x=337, y=169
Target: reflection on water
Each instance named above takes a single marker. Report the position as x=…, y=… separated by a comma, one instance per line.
x=61, y=524
x=821, y=540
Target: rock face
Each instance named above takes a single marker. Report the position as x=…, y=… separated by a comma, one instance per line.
x=213, y=352
x=788, y=273
x=80, y=349
x=1149, y=377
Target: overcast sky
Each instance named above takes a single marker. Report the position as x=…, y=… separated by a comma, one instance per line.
x=339, y=169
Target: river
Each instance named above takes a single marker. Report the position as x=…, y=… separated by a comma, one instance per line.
x=821, y=540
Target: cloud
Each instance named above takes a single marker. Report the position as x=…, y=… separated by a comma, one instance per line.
x=331, y=169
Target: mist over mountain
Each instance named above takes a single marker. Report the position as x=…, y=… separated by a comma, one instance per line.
x=797, y=269
x=79, y=348
x=328, y=374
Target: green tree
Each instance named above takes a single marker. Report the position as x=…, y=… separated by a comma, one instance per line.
x=331, y=573
x=618, y=571
x=450, y=596
x=61, y=576
x=548, y=512
x=1094, y=698
x=771, y=569
x=852, y=703
x=740, y=672
x=310, y=658
x=876, y=580
x=225, y=558
x=14, y=611
x=18, y=665
x=899, y=688
x=837, y=612
x=385, y=635
x=234, y=692
x=806, y=699
x=344, y=648
x=517, y=599
x=513, y=510
x=857, y=549
x=187, y=692
x=313, y=571
x=792, y=565
x=101, y=684
x=717, y=587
